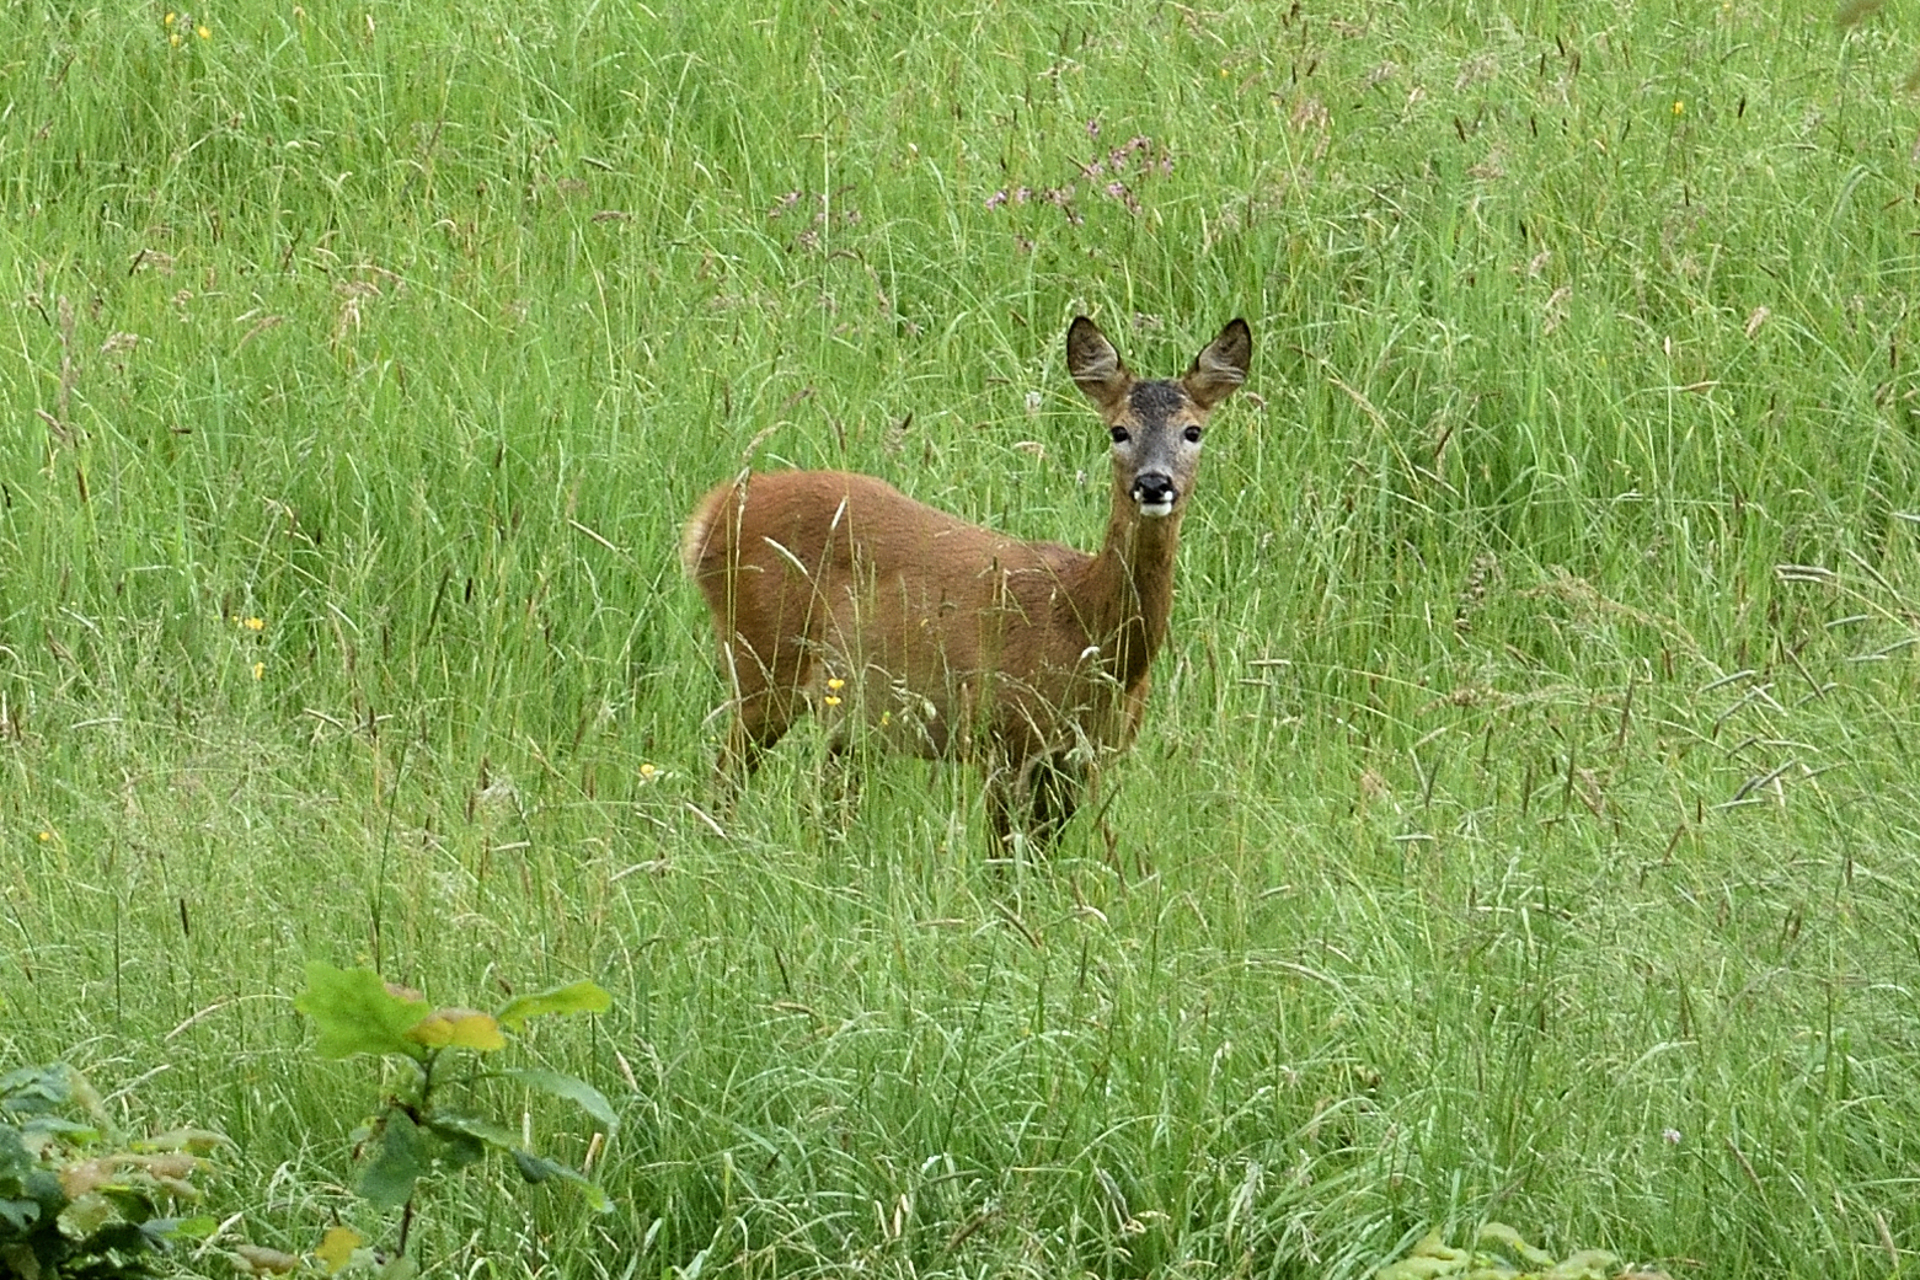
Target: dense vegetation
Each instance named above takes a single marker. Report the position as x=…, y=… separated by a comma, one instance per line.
x=1525, y=823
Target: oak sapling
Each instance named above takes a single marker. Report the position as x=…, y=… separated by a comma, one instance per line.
x=416, y=1132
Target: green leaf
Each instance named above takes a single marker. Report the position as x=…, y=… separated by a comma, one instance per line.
x=36, y=1090
x=1499, y=1233
x=196, y=1228
x=43, y=1186
x=400, y=1266
x=15, y=1158
x=354, y=1012
x=532, y=1167
x=88, y=1215
x=36, y=1130
x=123, y=1237
x=459, y=1148
x=19, y=1215
x=388, y=1182
x=540, y=1169
x=497, y=1136
x=579, y=1092
x=1430, y=1258
x=1421, y=1266
x=1588, y=1264
x=578, y=997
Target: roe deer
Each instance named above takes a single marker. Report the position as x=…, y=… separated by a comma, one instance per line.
x=893, y=621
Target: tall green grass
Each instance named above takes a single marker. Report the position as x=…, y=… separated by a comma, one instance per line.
x=1523, y=825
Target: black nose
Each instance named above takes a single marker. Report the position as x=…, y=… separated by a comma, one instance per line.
x=1151, y=488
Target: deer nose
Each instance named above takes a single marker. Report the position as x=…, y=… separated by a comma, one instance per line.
x=1155, y=493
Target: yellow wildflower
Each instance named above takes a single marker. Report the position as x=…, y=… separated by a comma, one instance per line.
x=203, y=31
x=1679, y=107
x=259, y=670
x=254, y=624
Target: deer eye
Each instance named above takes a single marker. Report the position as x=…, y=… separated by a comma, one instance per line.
x=1192, y=434
x=1120, y=435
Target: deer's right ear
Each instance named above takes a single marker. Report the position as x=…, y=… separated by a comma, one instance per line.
x=1095, y=366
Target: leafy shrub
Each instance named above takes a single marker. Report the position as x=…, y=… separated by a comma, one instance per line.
x=78, y=1200
x=1499, y=1252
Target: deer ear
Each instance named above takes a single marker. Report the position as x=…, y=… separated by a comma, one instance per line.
x=1095, y=366
x=1221, y=367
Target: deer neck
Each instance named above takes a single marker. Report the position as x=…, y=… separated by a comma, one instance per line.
x=1127, y=593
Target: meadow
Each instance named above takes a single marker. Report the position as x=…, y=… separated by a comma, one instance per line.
x=1527, y=823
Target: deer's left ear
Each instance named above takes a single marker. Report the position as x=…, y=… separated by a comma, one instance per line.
x=1221, y=367
x=1096, y=366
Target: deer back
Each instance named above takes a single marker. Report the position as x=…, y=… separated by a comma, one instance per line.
x=934, y=627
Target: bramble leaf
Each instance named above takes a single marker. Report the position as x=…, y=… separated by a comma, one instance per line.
x=19, y=1216
x=38, y=1132
x=36, y=1090
x=116, y=1237
x=578, y=997
x=354, y=1012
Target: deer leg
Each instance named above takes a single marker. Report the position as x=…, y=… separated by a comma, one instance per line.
x=1054, y=789
x=756, y=726
x=842, y=778
x=766, y=701
x=1000, y=807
